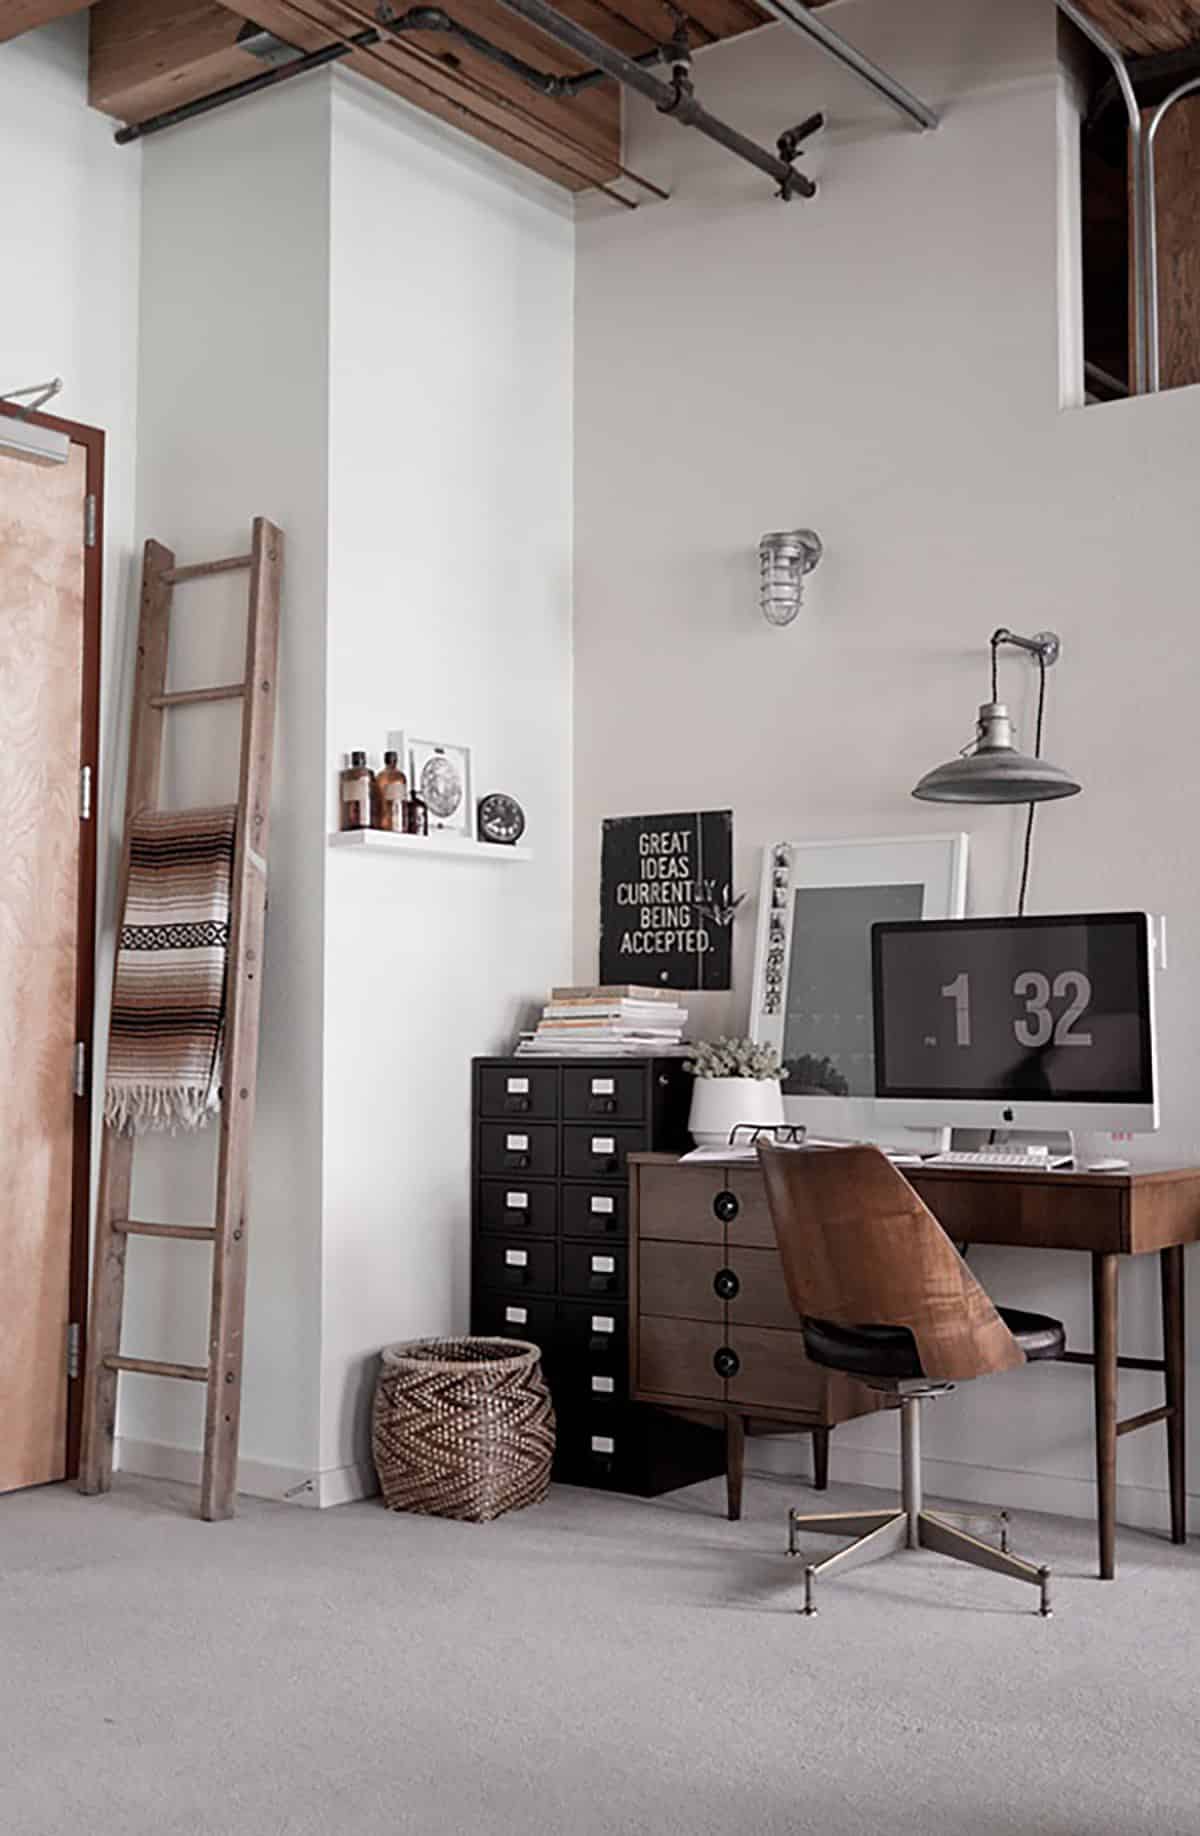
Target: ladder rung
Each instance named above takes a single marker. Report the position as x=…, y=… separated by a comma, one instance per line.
x=182, y=698
x=154, y=1367
x=138, y=1227
x=176, y=575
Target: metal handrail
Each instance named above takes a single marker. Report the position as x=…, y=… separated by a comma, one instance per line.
x=1154, y=382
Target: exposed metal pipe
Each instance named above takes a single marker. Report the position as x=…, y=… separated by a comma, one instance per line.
x=267, y=79
x=674, y=99
x=1154, y=377
x=547, y=83
x=802, y=19
x=1145, y=279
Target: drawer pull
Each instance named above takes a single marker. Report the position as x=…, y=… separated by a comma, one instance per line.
x=726, y=1362
x=726, y=1284
x=516, y=1105
x=726, y=1207
x=602, y=1106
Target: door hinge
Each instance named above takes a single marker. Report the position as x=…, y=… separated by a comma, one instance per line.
x=89, y=520
x=80, y=1068
x=85, y=793
x=74, y=1349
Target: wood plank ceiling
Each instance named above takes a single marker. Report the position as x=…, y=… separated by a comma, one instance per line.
x=148, y=56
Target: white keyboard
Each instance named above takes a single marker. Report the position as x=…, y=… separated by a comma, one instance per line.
x=999, y=1157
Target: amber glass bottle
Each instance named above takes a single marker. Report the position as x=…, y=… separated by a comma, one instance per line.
x=393, y=790
x=357, y=793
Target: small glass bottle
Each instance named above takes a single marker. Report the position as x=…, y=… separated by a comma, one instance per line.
x=393, y=793
x=416, y=816
x=357, y=793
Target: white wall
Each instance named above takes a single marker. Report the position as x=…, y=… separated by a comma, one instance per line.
x=883, y=364
x=449, y=615
x=233, y=424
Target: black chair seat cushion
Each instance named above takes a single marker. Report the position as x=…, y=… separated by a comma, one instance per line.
x=891, y=1351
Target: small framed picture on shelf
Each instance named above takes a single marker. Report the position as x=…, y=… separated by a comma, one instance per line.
x=440, y=774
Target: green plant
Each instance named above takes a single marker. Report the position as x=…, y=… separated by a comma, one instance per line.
x=735, y=1058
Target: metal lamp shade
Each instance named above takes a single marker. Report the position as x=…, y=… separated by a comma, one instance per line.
x=994, y=771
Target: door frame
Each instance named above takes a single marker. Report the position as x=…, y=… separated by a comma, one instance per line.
x=92, y=441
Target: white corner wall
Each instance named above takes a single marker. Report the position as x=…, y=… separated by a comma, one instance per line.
x=883, y=364
x=233, y=424
x=449, y=616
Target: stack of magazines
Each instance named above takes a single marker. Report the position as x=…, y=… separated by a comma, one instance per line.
x=623, y=1022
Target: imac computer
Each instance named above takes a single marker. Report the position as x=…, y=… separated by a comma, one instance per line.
x=1016, y=1023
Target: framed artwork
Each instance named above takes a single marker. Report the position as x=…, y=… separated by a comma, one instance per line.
x=666, y=899
x=440, y=774
x=812, y=966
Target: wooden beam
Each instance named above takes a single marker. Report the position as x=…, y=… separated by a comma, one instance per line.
x=17, y=16
x=151, y=55
x=1148, y=25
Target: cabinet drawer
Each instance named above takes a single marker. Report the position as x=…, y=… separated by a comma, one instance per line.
x=508, y=1317
x=1005, y=1209
x=592, y=1150
x=516, y=1206
x=519, y=1147
x=617, y=1094
x=681, y=1280
x=595, y=1335
x=675, y=1358
x=774, y=1371
x=519, y=1090
x=762, y=1297
x=749, y=1221
x=676, y=1203
x=602, y=1211
x=528, y=1267
x=594, y=1269
x=579, y=1387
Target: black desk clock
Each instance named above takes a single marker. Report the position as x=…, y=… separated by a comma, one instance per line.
x=501, y=818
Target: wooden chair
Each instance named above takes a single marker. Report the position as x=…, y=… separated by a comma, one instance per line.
x=883, y=1295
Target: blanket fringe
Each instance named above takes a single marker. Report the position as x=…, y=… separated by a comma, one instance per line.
x=139, y=1109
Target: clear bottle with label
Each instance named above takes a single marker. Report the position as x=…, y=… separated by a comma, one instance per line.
x=357, y=793
x=392, y=786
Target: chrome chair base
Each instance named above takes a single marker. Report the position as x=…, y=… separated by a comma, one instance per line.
x=882, y=1533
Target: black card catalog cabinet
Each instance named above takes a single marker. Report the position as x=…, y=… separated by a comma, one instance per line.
x=550, y=1258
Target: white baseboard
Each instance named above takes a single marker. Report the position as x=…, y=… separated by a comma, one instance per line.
x=1141, y=1507
x=256, y=1478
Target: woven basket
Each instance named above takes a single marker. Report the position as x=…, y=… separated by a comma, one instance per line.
x=462, y=1427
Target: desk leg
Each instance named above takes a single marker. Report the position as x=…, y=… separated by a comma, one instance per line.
x=1176, y=1387
x=1104, y=1341
x=735, y=1464
x=820, y=1447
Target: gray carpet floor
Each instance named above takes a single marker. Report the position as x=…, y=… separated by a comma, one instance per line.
x=593, y=1666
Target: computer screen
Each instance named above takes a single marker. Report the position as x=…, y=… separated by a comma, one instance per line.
x=1029, y=1011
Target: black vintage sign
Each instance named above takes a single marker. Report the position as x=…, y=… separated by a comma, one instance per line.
x=665, y=887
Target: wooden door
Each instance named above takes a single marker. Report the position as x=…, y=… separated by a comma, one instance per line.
x=49, y=663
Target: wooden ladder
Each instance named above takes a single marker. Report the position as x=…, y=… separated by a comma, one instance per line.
x=222, y=1375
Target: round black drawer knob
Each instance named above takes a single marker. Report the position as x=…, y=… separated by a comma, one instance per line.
x=726, y=1283
x=726, y=1362
x=726, y=1207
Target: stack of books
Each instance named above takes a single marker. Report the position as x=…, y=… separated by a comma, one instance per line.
x=625, y=1022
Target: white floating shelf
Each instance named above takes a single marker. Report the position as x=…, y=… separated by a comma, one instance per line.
x=461, y=847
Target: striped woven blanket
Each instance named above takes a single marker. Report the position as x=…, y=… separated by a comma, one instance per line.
x=164, y=1052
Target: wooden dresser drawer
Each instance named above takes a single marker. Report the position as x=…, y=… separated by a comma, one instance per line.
x=762, y=1297
x=675, y=1358
x=679, y=1280
x=519, y=1090
x=1017, y=1209
x=773, y=1371
x=751, y=1223
x=519, y=1147
x=675, y=1203
x=612, y=1093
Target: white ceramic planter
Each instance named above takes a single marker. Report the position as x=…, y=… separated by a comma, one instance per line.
x=719, y=1104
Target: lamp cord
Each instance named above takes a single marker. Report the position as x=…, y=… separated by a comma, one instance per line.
x=1037, y=753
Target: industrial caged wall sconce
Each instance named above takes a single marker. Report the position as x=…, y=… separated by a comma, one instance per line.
x=784, y=559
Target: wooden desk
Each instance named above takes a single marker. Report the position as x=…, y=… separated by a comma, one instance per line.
x=1105, y=1215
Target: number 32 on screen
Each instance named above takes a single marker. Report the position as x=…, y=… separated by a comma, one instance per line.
x=1038, y=1025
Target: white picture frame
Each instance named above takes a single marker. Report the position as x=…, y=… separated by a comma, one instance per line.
x=434, y=786
x=914, y=876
